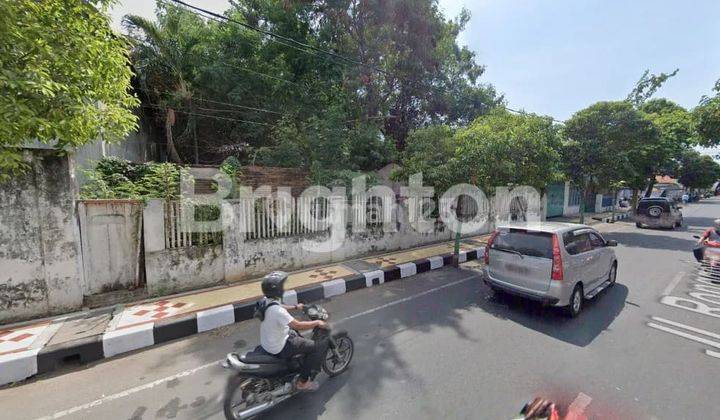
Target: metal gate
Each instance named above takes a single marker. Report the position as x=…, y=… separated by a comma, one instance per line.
x=555, y=200
x=110, y=232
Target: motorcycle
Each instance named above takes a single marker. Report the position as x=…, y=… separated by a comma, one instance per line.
x=708, y=255
x=260, y=380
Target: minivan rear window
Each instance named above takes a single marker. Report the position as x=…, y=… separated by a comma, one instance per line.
x=534, y=244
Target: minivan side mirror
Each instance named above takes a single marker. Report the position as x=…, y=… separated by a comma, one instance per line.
x=611, y=242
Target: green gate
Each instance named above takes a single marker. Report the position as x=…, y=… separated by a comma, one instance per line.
x=555, y=199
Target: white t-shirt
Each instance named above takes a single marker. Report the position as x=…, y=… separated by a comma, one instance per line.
x=274, y=329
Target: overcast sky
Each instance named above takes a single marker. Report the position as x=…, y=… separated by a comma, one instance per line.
x=555, y=57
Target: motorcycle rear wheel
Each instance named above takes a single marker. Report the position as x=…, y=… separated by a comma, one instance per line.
x=235, y=398
x=335, y=365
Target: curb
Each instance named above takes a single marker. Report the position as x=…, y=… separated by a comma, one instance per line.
x=620, y=216
x=18, y=366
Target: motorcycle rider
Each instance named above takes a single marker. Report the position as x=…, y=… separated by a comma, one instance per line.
x=278, y=334
x=710, y=235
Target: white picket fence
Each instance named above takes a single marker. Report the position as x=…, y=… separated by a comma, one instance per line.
x=178, y=233
x=271, y=217
x=268, y=217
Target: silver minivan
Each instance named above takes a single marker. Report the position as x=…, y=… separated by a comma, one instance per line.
x=559, y=264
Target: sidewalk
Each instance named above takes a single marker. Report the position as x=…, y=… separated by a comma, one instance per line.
x=594, y=218
x=33, y=348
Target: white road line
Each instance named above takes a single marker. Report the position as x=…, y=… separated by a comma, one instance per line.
x=685, y=335
x=189, y=372
x=687, y=327
x=399, y=301
x=712, y=353
x=127, y=392
x=673, y=283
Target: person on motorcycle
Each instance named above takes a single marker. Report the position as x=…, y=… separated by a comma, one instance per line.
x=278, y=334
x=710, y=237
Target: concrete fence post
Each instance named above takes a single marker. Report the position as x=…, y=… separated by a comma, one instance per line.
x=154, y=225
x=233, y=222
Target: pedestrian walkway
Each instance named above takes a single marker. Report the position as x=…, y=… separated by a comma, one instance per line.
x=40, y=347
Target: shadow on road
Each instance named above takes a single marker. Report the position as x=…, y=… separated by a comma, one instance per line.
x=596, y=317
x=642, y=239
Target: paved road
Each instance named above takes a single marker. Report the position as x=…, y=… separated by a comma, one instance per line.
x=441, y=345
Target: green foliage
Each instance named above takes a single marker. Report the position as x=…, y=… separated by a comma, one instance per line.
x=499, y=148
x=697, y=170
x=118, y=178
x=676, y=129
x=646, y=87
x=428, y=151
x=338, y=177
x=607, y=143
x=290, y=108
x=507, y=149
x=64, y=77
x=707, y=118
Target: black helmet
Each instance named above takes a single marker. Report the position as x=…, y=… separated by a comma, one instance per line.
x=273, y=285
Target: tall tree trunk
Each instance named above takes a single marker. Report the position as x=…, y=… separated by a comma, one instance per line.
x=648, y=190
x=582, y=203
x=171, y=151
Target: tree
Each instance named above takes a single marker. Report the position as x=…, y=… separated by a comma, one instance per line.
x=427, y=152
x=67, y=86
x=605, y=145
x=707, y=118
x=395, y=67
x=676, y=129
x=502, y=149
x=697, y=170
x=163, y=53
x=647, y=85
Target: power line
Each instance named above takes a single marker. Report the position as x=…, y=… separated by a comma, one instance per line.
x=281, y=37
x=224, y=103
x=208, y=116
x=275, y=37
x=236, y=105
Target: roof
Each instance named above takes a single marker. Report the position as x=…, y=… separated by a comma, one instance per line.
x=544, y=226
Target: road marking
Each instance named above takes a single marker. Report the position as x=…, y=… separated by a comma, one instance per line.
x=673, y=283
x=189, y=372
x=399, y=301
x=127, y=392
x=687, y=327
x=685, y=335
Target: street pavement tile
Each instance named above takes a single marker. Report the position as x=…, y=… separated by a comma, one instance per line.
x=396, y=258
x=153, y=311
x=20, y=338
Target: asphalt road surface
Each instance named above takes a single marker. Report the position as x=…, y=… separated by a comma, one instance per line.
x=441, y=345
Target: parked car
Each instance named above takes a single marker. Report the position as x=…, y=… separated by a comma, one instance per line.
x=658, y=212
x=558, y=264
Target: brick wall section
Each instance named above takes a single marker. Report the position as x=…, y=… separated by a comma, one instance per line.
x=256, y=176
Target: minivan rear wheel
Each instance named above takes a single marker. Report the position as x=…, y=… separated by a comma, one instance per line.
x=576, y=302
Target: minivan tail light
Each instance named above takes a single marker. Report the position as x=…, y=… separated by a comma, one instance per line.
x=487, y=247
x=557, y=265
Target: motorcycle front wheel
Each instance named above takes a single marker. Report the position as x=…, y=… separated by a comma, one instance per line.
x=337, y=362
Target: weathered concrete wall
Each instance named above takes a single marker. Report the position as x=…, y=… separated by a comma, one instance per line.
x=40, y=270
x=175, y=270
x=134, y=147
